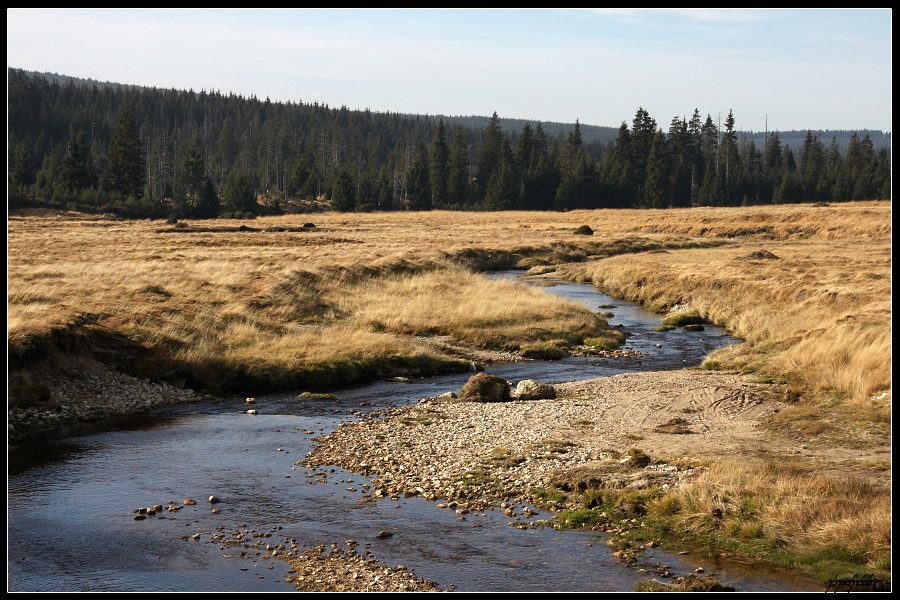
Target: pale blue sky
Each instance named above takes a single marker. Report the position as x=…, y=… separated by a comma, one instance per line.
x=818, y=69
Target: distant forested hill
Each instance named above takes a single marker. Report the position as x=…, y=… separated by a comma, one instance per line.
x=140, y=151
x=78, y=81
x=795, y=138
x=589, y=133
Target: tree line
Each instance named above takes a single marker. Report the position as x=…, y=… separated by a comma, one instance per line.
x=147, y=152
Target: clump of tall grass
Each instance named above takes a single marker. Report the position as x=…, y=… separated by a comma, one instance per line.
x=780, y=507
x=452, y=301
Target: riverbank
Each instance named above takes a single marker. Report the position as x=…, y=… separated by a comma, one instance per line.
x=640, y=455
x=84, y=390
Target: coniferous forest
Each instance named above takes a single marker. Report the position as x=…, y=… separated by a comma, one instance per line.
x=148, y=152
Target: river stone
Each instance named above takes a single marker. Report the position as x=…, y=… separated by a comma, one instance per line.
x=485, y=388
x=529, y=389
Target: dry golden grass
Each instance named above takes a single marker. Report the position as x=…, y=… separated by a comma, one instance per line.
x=239, y=296
x=266, y=304
x=781, y=506
x=819, y=313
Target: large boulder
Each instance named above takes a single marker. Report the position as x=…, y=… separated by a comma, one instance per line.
x=485, y=388
x=529, y=389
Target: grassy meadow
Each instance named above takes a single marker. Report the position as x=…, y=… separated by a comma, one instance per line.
x=808, y=287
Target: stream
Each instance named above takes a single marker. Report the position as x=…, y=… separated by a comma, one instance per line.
x=70, y=501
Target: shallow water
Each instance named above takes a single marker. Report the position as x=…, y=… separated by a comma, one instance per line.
x=70, y=502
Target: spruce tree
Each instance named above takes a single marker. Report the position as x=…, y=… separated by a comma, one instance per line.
x=193, y=171
x=728, y=159
x=503, y=187
x=658, y=173
x=419, y=182
x=643, y=129
x=490, y=153
x=384, y=192
x=23, y=172
x=458, y=172
x=76, y=173
x=125, y=160
x=571, y=192
x=240, y=193
x=440, y=167
x=207, y=201
x=343, y=192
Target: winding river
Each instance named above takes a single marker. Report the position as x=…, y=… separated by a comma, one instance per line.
x=70, y=501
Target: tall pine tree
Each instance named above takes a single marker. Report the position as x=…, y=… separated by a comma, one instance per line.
x=419, y=181
x=490, y=153
x=440, y=166
x=458, y=171
x=125, y=160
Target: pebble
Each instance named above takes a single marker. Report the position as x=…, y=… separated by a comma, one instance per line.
x=402, y=456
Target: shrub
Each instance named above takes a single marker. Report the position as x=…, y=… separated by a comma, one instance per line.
x=584, y=230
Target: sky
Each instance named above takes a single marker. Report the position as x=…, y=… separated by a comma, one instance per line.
x=792, y=69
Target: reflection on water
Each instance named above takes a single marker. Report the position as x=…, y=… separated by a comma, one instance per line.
x=71, y=527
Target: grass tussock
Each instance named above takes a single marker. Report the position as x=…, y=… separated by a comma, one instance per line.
x=786, y=512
